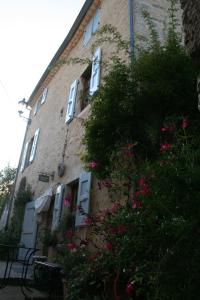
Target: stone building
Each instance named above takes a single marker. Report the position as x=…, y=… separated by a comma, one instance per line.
x=52, y=148
x=191, y=24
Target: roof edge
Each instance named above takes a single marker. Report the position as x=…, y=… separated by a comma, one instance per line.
x=64, y=44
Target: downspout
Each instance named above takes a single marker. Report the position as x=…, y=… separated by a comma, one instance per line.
x=131, y=27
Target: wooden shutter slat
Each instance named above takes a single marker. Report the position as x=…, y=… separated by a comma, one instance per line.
x=57, y=207
x=83, y=198
x=71, y=101
x=34, y=146
x=95, y=77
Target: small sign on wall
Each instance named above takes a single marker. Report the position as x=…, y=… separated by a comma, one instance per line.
x=43, y=178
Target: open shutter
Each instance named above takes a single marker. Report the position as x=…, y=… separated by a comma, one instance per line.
x=24, y=157
x=57, y=207
x=83, y=198
x=34, y=146
x=88, y=33
x=95, y=77
x=71, y=101
x=36, y=107
x=96, y=19
x=44, y=95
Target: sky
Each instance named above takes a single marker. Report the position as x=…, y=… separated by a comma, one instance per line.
x=31, y=31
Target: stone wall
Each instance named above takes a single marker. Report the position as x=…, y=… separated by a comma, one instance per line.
x=191, y=24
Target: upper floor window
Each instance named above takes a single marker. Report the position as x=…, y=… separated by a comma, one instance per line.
x=40, y=101
x=85, y=92
x=30, y=150
x=90, y=80
x=91, y=27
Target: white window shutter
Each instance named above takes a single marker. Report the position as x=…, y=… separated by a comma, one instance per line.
x=96, y=70
x=88, y=32
x=71, y=101
x=96, y=21
x=57, y=207
x=44, y=95
x=83, y=200
x=36, y=107
x=34, y=145
x=24, y=157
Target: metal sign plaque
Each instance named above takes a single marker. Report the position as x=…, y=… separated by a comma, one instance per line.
x=43, y=178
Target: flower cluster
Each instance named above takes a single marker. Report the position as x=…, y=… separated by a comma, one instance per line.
x=107, y=183
x=141, y=191
x=165, y=146
x=93, y=164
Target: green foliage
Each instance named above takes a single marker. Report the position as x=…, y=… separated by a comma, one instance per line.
x=143, y=132
x=49, y=239
x=7, y=176
x=151, y=238
x=135, y=98
x=23, y=196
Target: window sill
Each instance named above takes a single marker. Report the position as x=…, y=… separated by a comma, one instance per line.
x=84, y=113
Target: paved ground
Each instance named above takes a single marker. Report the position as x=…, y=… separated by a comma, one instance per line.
x=16, y=270
x=13, y=292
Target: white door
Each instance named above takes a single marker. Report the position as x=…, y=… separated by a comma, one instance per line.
x=29, y=229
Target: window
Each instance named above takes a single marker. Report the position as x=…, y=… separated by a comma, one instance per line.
x=85, y=93
x=83, y=198
x=90, y=80
x=40, y=101
x=91, y=27
x=29, y=151
x=96, y=70
x=57, y=207
x=71, y=101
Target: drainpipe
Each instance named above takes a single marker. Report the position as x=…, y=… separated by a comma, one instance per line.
x=131, y=27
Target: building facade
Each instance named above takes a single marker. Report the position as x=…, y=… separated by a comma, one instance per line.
x=52, y=148
x=191, y=24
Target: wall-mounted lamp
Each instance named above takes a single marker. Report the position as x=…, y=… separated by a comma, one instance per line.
x=23, y=106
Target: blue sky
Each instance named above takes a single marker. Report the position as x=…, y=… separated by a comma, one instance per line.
x=31, y=31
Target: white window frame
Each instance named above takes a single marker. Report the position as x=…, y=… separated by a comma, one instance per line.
x=91, y=27
x=34, y=145
x=83, y=198
x=96, y=71
x=71, y=101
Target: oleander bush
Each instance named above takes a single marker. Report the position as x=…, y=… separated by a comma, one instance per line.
x=142, y=140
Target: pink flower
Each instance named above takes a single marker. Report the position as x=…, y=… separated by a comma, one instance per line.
x=107, y=183
x=142, y=181
x=72, y=246
x=95, y=256
x=165, y=146
x=115, y=207
x=121, y=228
x=69, y=234
x=168, y=128
x=130, y=287
x=88, y=221
x=67, y=201
x=144, y=187
x=93, y=164
x=185, y=122
x=109, y=246
x=113, y=230
x=128, y=153
x=137, y=203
